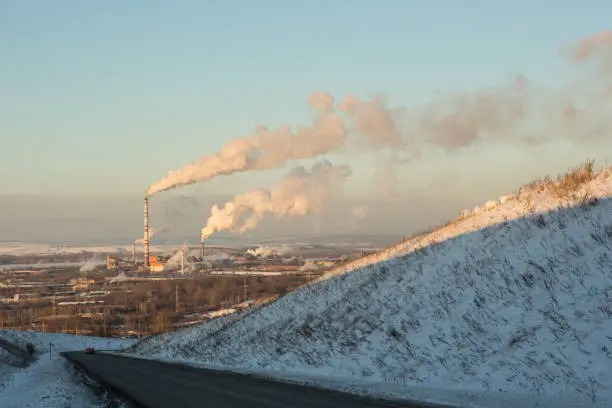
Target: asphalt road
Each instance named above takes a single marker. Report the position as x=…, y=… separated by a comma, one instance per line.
x=154, y=384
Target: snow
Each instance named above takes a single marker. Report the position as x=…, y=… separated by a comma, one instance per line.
x=50, y=381
x=85, y=266
x=509, y=304
x=40, y=249
x=527, y=201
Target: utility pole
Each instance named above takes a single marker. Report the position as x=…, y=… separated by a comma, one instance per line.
x=182, y=261
x=104, y=321
x=245, y=288
x=176, y=299
x=54, y=310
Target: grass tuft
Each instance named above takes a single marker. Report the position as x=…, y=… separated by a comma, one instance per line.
x=567, y=185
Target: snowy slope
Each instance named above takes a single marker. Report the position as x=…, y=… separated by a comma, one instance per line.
x=50, y=381
x=514, y=297
x=529, y=200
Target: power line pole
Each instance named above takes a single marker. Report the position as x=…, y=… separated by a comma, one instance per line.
x=104, y=320
x=176, y=299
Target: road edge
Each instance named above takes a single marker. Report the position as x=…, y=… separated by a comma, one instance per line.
x=393, y=402
x=114, y=392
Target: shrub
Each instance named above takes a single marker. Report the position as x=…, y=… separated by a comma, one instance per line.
x=568, y=184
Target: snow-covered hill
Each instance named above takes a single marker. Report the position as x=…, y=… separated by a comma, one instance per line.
x=537, y=197
x=49, y=381
x=514, y=297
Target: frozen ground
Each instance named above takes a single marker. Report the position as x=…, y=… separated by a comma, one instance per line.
x=50, y=381
x=50, y=265
x=509, y=304
x=28, y=248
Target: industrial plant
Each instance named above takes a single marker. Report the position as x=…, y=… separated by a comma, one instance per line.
x=222, y=260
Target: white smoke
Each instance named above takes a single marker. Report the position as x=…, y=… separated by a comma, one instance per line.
x=154, y=232
x=520, y=113
x=175, y=260
x=359, y=212
x=300, y=192
x=90, y=264
x=265, y=149
x=268, y=250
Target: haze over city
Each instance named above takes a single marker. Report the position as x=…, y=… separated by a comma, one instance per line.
x=95, y=108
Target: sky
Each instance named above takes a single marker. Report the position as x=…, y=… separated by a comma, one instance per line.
x=101, y=99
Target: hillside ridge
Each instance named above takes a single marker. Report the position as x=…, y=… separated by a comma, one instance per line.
x=535, y=197
x=511, y=298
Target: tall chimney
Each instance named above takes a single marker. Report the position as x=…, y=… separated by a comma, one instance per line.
x=146, y=233
x=202, y=256
x=182, y=261
x=134, y=252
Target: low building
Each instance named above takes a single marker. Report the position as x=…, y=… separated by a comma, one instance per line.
x=81, y=283
x=18, y=297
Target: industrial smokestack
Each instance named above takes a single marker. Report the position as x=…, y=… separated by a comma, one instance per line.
x=146, y=233
x=182, y=261
x=202, y=256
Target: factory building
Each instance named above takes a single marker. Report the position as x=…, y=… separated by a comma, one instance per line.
x=111, y=263
x=157, y=263
x=81, y=283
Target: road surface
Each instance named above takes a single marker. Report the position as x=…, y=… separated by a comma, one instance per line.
x=154, y=384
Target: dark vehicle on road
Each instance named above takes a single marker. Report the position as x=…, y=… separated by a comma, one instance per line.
x=90, y=350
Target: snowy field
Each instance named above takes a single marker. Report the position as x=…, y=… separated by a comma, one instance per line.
x=41, y=249
x=509, y=304
x=39, y=265
x=50, y=381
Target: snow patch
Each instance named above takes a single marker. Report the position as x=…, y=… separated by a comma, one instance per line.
x=49, y=381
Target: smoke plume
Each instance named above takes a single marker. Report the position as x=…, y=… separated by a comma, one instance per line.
x=266, y=149
x=598, y=46
x=175, y=260
x=90, y=264
x=268, y=250
x=153, y=232
x=520, y=113
x=359, y=213
x=300, y=192
x=377, y=124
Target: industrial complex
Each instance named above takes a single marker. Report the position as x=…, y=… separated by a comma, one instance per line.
x=217, y=259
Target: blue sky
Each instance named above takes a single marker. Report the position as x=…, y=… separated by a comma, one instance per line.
x=108, y=96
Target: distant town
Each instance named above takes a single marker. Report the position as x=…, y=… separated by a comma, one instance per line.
x=115, y=295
